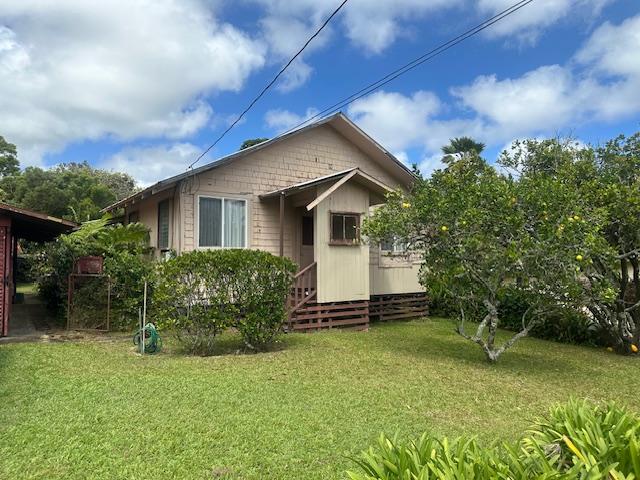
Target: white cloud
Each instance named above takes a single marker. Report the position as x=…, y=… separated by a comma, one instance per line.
x=371, y=25
x=527, y=24
x=72, y=70
x=600, y=84
x=281, y=120
x=614, y=49
x=151, y=164
x=396, y=121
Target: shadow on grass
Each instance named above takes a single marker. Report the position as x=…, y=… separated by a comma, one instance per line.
x=230, y=343
x=437, y=339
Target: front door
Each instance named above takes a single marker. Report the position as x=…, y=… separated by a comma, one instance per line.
x=306, y=245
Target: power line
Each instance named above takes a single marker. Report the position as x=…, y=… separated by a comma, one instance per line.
x=413, y=64
x=270, y=84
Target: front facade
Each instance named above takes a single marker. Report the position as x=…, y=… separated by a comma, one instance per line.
x=303, y=195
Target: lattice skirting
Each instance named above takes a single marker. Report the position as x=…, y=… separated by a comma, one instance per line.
x=397, y=307
x=318, y=316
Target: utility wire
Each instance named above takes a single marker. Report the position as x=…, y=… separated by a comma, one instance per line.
x=270, y=84
x=413, y=64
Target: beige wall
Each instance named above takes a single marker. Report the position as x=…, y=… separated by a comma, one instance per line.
x=311, y=154
x=393, y=273
x=342, y=271
x=306, y=156
x=148, y=215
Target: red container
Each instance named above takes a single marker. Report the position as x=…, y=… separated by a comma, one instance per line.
x=89, y=265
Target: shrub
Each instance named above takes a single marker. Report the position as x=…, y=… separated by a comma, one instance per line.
x=125, y=261
x=201, y=293
x=577, y=440
x=566, y=325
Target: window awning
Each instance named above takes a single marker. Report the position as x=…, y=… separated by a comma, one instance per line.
x=340, y=178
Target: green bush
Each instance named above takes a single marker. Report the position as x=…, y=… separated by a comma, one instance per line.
x=124, y=249
x=565, y=325
x=201, y=293
x=576, y=441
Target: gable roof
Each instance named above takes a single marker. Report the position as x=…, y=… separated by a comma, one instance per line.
x=338, y=121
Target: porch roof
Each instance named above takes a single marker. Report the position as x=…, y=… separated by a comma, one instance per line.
x=35, y=226
x=340, y=178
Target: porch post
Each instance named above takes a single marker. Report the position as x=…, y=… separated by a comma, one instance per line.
x=282, y=224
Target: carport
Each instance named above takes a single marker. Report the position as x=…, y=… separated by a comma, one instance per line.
x=21, y=224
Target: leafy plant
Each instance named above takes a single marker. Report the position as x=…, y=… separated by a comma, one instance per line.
x=124, y=249
x=201, y=293
x=577, y=440
x=482, y=234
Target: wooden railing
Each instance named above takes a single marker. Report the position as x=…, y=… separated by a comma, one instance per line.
x=304, y=287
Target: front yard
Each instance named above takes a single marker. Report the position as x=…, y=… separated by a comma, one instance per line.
x=97, y=410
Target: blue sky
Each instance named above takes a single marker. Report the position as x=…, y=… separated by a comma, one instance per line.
x=144, y=88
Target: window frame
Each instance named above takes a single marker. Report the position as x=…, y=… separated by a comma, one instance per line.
x=394, y=251
x=168, y=202
x=344, y=242
x=222, y=225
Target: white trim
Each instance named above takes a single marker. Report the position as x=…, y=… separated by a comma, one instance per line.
x=222, y=199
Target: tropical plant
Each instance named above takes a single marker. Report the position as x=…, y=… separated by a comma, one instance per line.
x=607, y=180
x=463, y=145
x=483, y=235
x=577, y=440
x=124, y=249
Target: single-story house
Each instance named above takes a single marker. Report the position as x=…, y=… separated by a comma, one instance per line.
x=21, y=224
x=303, y=195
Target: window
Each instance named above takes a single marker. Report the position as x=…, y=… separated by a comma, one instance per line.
x=133, y=217
x=392, y=245
x=345, y=228
x=163, y=224
x=222, y=222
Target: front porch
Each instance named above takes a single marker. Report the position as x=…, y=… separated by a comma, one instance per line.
x=320, y=222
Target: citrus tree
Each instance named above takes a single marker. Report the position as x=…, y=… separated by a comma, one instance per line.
x=607, y=179
x=483, y=236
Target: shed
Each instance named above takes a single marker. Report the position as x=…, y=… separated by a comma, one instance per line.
x=21, y=224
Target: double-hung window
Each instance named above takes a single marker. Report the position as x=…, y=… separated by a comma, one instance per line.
x=222, y=222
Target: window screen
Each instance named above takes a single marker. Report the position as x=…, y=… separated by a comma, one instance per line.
x=345, y=228
x=222, y=222
x=133, y=217
x=307, y=230
x=163, y=224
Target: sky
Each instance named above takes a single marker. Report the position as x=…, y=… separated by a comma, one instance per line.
x=145, y=86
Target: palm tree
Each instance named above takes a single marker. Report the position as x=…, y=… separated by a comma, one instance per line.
x=463, y=145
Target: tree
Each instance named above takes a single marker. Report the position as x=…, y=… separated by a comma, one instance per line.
x=463, y=145
x=76, y=191
x=485, y=236
x=9, y=164
x=608, y=180
x=252, y=141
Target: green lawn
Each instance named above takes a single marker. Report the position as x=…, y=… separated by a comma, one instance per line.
x=98, y=410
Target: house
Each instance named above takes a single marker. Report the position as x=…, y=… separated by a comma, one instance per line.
x=21, y=224
x=303, y=195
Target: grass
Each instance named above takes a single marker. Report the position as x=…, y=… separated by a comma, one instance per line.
x=98, y=410
x=29, y=288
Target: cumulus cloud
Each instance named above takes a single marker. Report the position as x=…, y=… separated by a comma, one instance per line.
x=72, y=70
x=529, y=22
x=153, y=163
x=281, y=120
x=599, y=84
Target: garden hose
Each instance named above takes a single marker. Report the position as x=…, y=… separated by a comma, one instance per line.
x=152, y=340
